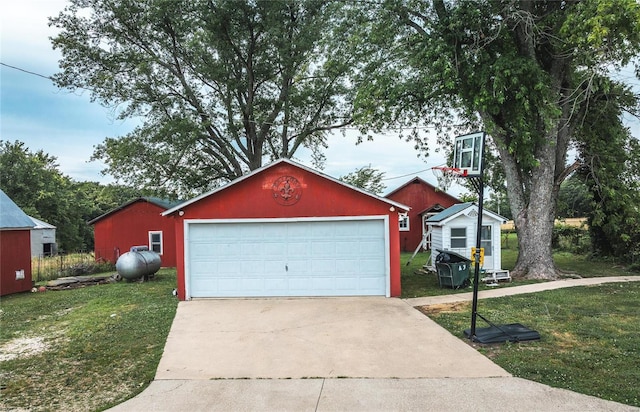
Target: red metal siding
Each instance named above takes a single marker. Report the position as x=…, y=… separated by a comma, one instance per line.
x=116, y=233
x=254, y=198
x=419, y=195
x=15, y=254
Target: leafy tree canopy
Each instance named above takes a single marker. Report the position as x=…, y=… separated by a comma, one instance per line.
x=221, y=85
x=34, y=183
x=524, y=71
x=610, y=170
x=574, y=198
x=367, y=178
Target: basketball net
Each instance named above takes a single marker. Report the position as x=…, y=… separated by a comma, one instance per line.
x=447, y=175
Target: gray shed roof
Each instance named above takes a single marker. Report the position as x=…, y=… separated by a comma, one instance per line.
x=448, y=212
x=39, y=224
x=11, y=216
x=459, y=208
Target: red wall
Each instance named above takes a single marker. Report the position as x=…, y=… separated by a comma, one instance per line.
x=254, y=198
x=15, y=254
x=116, y=233
x=419, y=195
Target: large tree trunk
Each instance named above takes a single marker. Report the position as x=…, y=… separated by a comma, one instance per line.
x=534, y=222
x=533, y=198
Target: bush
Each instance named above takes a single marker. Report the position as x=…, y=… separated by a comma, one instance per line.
x=572, y=239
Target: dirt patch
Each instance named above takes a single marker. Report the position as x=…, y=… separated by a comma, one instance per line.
x=22, y=347
x=443, y=308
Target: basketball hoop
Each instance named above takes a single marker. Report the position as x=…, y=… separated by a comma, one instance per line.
x=447, y=175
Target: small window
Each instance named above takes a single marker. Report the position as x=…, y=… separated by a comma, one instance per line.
x=155, y=242
x=404, y=223
x=458, y=237
x=486, y=240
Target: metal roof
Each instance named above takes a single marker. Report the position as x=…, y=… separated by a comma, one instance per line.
x=39, y=224
x=11, y=216
x=459, y=208
x=448, y=212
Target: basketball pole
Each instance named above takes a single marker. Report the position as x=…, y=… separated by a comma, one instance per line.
x=479, y=185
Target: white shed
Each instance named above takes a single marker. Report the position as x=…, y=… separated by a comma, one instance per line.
x=43, y=238
x=455, y=229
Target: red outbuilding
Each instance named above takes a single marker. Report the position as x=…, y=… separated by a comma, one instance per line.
x=425, y=200
x=287, y=230
x=15, y=247
x=136, y=223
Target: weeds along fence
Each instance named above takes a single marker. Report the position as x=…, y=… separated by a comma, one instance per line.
x=45, y=268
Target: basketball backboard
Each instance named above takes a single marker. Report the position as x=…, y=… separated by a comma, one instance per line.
x=468, y=154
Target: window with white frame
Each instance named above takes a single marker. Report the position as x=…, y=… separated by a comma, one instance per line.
x=404, y=222
x=485, y=241
x=155, y=242
x=458, y=237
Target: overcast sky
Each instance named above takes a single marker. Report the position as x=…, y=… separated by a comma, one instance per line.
x=68, y=126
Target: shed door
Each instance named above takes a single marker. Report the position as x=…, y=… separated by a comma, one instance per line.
x=301, y=258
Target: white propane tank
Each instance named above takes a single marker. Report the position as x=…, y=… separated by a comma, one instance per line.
x=138, y=262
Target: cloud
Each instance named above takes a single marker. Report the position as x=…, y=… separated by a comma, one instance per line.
x=25, y=34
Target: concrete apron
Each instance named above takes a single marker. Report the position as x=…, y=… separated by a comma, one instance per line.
x=359, y=337
x=367, y=395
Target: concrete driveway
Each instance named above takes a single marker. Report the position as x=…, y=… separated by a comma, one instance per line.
x=396, y=359
x=359, y=337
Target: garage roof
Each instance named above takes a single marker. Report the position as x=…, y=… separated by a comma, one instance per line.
x=290, y=162
x=162, y=203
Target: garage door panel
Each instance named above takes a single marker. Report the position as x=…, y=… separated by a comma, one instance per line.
x=312, y=258
x=249, y=267
x=297, y=230
x=350, y=248
x=297, y=249
x=323, y=266
x=275, y=284
x=274, y=266
x=224, y=268
x=323, y=248
x=370, y=284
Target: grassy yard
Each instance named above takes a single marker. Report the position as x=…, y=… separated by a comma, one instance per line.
x=91, y=348
x=589, y=338
x=83, y=349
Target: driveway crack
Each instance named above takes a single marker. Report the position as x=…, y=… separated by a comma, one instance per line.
x=320, y=394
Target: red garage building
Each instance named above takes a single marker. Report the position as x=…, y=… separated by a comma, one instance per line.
x=287, y=230
x=425, y=200
x=138, y=222
x=15, y=247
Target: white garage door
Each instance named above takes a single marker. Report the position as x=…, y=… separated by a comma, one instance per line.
x=287, y=258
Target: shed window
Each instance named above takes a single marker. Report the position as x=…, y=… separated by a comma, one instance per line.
x=155, y=242
x=458, y=237
x=486, y=240
x=404, y=223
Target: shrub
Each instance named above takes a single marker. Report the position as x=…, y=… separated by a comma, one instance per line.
x=572, y=239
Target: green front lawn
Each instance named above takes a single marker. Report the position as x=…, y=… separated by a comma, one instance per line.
x=91, y=348
x=83, y=349
x=589, y=337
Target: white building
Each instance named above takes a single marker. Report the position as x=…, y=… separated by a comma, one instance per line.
x=455, y=228
x=43, y=238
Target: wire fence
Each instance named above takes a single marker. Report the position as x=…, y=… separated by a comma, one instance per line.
x=67, y=264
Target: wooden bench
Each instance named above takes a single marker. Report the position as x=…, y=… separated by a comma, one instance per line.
x=497, y=276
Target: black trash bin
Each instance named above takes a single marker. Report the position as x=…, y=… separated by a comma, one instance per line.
x=453, y=269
